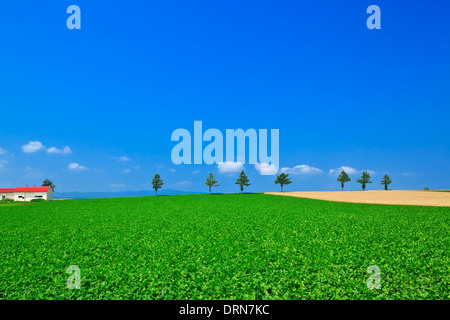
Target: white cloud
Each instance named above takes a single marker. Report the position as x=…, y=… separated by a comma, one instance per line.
x=266, y=169
x=196, y=172
x=3, y=151
x=76, y=167
x=349, y=170
x=123, y=159
x=301, y=169
x=137, y=167
x=127, y=170
x=229, y=167
x=33, y=146
x=65, y=150
x=1, y=165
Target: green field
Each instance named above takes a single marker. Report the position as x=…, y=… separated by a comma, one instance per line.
x=250, y=246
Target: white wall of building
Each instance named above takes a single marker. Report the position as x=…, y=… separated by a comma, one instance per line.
x=28, y=196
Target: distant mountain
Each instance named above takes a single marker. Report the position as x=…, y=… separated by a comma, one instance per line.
x=117, y=194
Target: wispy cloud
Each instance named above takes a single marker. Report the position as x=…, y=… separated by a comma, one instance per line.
x=184, y=183
x=129, y=170
x=2, y=163
x=3, y=151
x=33, y=175
x=230, y=167
x=349, y=170
x=116, y=185
x=196, y=172
x=302, y=169
x=123, y=159
x=54, y=150
x=76, y=167
x=172, y=170
x=6, y=184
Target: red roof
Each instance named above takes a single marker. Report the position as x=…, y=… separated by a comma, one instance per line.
x=25, y=189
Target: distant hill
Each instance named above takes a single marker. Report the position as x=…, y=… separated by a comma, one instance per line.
x=140, y=193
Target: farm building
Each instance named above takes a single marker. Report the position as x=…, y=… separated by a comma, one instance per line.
x=27, y=193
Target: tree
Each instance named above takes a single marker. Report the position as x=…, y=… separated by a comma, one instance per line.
x=343, y=178
x=386, y=181
x=282, y=179
x=49, y=183
x=211, y=182
x=157, y=182
x=242, y=181
x=365, y=178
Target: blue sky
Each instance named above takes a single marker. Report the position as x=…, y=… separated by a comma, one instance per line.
x=114, y=91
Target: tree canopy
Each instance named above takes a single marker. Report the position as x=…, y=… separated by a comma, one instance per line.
x=386, y=181
x=211, y=181
x=364, y=179
x=157, y=182
x=282, y=179
x=343, y=178
x=49, y=183
x=242, y=181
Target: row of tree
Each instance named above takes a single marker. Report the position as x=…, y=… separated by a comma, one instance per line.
x=282, y=179
x=364, y=179
x=243, y=181
x=211, y=181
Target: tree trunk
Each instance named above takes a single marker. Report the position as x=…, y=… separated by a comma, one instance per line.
x=156, y=191
x=281, y=188
x=209, y=189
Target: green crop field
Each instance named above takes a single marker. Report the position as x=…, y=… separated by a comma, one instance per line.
x=250, y=246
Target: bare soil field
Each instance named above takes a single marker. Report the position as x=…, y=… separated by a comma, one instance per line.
x=400, y=197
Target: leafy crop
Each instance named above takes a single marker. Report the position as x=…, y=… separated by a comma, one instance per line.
x=236, y=246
